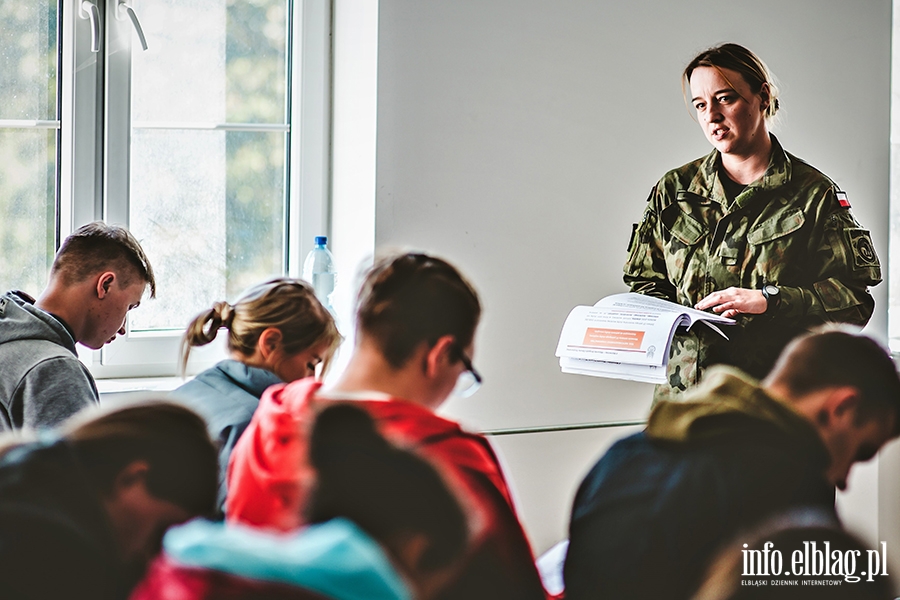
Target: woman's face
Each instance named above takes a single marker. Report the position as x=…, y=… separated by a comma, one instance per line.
x=290, y=367
x=731, y=116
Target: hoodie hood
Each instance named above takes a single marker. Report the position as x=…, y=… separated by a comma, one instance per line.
x=20, y=319
x=729, y=404
x=335, y=558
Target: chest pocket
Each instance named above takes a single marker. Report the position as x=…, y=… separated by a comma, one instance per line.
x=683, y=227
x=777, y=226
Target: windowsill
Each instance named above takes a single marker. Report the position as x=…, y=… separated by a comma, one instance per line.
x=139, y=384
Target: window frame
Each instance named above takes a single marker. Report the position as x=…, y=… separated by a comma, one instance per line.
x=94, y=165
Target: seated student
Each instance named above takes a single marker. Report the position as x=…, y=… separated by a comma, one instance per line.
x=732, y=576
x=83, y=511
x=416, y=321
x=98, y=275
x=383, y=525
x=650, y=514
x=277, y=332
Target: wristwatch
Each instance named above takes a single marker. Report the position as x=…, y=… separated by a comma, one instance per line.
x=773, y=297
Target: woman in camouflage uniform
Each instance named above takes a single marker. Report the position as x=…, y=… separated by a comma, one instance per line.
x=749, y=231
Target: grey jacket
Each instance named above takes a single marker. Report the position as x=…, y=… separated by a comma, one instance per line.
x=42, y=382
x=226, y=396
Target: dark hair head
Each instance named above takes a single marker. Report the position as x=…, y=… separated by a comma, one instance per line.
x=412, y=298
x=97, y=247
x=289, y=305
x=390, y=493
x=171, y=438
x=835, y=355
x=737, y=58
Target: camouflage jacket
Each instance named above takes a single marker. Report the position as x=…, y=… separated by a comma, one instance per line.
x=791, y=228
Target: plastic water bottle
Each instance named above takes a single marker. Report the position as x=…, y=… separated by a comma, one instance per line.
x=318, y=269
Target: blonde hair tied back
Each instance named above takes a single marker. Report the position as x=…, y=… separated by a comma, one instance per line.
x=289, y=305
x=204, y=328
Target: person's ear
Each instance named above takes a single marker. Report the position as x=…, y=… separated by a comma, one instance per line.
x=765, y=95
x=440, y=355
x=134, y=474
x=104, y=282
x=840, y=406
x=269, y=343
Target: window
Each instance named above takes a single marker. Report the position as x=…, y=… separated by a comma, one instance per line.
x=29, y=141
x=199, y=143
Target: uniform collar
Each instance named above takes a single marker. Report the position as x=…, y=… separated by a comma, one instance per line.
x=706, y=182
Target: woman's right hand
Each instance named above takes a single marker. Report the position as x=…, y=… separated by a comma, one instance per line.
x=734, y=301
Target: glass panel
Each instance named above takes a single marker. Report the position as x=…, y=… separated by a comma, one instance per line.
x=28, y=90
x=211, y=61
x=28, y=223
x=28, y=60
x=208, y=208
x=256, y=50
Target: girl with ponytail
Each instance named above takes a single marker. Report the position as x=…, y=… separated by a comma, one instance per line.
x=278, y=332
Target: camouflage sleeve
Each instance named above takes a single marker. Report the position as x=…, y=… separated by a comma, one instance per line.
x=845, y=265
x=645, y=270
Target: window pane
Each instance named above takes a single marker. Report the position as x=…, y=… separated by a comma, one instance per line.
x=28, y=224
x=256, y=50
x=208, y=209
x=208, y=205
x=211, y=61
x=28, y=60
x=28, y=91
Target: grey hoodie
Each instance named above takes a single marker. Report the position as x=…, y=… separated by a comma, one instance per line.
x=42, y=382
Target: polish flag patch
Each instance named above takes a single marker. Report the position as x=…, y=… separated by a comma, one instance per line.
x=842, y=199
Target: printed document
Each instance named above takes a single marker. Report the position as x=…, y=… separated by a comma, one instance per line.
x=626, y=336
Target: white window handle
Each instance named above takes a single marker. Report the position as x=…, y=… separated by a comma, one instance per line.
x=121, y=7
x=90, y=11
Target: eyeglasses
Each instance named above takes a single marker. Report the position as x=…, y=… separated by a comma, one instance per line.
x=469, y=380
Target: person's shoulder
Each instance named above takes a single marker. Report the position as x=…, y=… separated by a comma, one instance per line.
x=438, y=437
x=681, y=177
x=24, y=322
x=54, y=363
x=209, y=382
x=807, y=177
x=54, y=388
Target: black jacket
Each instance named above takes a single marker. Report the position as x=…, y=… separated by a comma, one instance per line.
x=56, y=540
x=652, y=512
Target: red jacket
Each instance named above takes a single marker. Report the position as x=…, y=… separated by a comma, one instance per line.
x=168, y=580
x=269, y=476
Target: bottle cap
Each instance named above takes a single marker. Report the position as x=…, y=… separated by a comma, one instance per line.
x=321, y=240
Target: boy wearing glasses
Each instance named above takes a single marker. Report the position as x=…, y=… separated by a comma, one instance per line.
x=416, y=321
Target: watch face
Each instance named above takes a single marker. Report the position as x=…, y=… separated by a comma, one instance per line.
x=771, y=290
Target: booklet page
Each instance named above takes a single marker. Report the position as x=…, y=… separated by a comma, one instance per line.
x=625, y=336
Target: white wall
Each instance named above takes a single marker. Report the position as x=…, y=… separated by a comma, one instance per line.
x=520, y=138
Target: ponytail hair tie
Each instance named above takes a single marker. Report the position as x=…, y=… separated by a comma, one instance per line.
x=225, y=312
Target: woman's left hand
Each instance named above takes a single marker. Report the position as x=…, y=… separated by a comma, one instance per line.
x=734, y=301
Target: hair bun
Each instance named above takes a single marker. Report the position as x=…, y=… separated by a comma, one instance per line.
x=225, y=312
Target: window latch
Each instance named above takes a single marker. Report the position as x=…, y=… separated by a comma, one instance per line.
x=122, y=9
x=90, y=11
